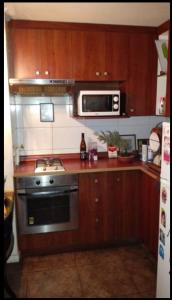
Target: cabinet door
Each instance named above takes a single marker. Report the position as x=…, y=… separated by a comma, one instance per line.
x=142, y=75
x=109, y=207
x=25, y=51
x=149, y=213
x=91, y=193
x=41, y=53
x=126, y=191
x=88, y=55
x=117, y=46
x=59, y=56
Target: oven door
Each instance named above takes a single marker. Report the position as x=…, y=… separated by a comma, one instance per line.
x=47, y=210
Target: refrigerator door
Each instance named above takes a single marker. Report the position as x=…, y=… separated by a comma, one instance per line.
x=163, y=269
x=165, y=155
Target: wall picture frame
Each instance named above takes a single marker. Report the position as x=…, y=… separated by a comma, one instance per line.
x=132, y=141
x=46, y=112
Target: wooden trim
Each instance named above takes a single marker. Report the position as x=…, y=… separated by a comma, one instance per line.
x=79, y=26
x=163, y=27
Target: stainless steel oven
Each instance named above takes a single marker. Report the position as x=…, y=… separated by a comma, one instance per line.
x=47, y=203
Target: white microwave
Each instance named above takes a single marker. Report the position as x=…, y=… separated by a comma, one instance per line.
x=98, y=103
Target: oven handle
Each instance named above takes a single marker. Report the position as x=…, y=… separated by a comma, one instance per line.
x=50, y=193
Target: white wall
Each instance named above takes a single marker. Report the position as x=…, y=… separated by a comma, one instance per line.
x=64, y=134
x=8, y=151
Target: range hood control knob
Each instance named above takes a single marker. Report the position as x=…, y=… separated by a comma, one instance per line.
x=51, y=181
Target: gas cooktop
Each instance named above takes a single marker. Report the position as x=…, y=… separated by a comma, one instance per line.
x=49, y=164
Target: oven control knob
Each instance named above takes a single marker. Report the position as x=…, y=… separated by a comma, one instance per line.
x=115, y=106
x=51, y=181
x=115, y=99
x=38, y=182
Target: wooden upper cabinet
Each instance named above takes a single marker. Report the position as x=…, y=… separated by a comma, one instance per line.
x=40, y=53
x=99, y=56
x=141, y=85
x=24, y=53
x=88, y=55
x=59, y=53
x=117, y=55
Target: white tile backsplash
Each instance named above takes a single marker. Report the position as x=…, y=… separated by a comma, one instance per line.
x=67, y=138
x=37, y=138
x=19, y=136
x=64, y=134
x=62, y=117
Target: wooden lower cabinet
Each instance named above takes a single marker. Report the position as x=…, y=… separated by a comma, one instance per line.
x=47, y=243
x=109, y=207
x=149, y=213
x=115, y=208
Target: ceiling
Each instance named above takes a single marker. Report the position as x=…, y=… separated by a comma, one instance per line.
x=141, y=14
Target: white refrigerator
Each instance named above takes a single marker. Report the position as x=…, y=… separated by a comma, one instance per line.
x=163, y=268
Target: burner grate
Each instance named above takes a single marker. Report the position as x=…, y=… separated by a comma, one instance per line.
x=44, y=162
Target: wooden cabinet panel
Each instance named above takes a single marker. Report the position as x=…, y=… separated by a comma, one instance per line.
x=88, y=55
x=117, y=46
x=141, y=88
x=25, y=52
x=109, y=207
x=127, y=207
x=91, y=190
x=58, y=53
x=149, y=213
x=100, y=55
x=40, y=53
x=48, y=243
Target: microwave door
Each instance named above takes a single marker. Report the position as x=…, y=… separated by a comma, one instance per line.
x=98, y=103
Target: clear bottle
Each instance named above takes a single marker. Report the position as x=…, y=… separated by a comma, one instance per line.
x=150, y=154
x=83, y=153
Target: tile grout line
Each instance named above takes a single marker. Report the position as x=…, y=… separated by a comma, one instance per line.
x=79, y=277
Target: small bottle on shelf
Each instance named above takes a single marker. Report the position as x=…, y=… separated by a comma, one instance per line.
x=83, y=153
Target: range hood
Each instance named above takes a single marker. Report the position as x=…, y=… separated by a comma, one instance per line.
x=39, y=81
x=40, y=87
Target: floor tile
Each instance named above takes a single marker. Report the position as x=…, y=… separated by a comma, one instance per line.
x=118, y=272
x=105, y=282
x=97, y=257
x=61, y=283
x=39, y=263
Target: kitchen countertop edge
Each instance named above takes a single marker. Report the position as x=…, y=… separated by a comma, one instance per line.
x=91, y=169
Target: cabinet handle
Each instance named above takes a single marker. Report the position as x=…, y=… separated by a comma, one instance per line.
x=131, y=109
x=37, y=72
x=97, y=220
x=105, y=73
x=46, y=72
x=98, y=73
x=118, y=179
x=97, y=200
x=96, y=180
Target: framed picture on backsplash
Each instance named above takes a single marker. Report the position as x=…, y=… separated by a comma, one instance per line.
x=46, y=112
x=141, y=142
x=131, y=138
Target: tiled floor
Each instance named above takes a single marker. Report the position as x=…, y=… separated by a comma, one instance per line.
x=125, y=272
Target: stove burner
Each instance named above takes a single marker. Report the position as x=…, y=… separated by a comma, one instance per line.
x=49, y=164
